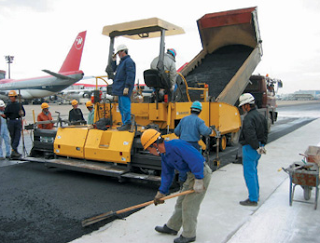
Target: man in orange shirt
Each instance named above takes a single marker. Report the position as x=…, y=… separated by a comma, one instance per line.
x=45, y=115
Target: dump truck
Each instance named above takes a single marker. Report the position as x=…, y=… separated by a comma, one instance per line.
x=226, y=35
x=264, y=90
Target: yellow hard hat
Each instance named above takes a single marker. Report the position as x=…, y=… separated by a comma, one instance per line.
x=44, y=105
x=12, y=93
x=74, y=102
x=148, y=137
x=89, y=104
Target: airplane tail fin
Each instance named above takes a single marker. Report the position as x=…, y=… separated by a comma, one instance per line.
x=72, y=61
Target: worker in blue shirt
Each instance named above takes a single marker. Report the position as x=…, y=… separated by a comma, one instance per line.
x=181, y=156
x=90, y=108
x=191, y=127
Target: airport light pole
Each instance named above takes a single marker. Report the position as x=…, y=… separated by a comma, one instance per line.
x=9, y=60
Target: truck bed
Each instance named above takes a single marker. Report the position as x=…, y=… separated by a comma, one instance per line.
x=231, y=52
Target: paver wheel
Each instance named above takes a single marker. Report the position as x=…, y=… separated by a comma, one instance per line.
x=223, y=143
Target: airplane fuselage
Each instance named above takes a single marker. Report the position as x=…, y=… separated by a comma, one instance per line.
x=42, y=86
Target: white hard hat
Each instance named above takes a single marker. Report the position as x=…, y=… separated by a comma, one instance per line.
x=121, y=47
x=2, y=104
x=246, y=98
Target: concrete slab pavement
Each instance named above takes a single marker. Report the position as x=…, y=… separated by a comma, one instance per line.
x=222, y=219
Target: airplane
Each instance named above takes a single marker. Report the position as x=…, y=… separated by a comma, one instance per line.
x=40, y=87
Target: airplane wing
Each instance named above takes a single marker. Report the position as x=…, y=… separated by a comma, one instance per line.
x=57, y=75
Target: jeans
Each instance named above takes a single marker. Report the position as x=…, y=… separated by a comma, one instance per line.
x=4, y=136
x=125, y=109
x=250, y=159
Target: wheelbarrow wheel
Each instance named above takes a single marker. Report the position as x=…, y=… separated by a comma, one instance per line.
x=307, y=192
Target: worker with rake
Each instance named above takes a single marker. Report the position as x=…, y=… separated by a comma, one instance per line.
x=182, y=156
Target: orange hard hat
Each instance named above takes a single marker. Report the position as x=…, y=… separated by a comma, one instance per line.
x=74, y=102
x=12, y=93
x=44, y=105
x=148, y=137
x=89, y=104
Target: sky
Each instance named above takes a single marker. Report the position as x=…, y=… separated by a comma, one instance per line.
x=40, y=33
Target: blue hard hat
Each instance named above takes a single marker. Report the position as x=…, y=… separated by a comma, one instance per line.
x=196, y=105
x=172, y=52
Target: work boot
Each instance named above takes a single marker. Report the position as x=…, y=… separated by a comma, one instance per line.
x=15, y=154
x=166, y=230
x=183, y=239
x=248, y=203
x=125, y=127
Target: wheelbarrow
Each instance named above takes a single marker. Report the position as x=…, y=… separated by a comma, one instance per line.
x=307, y=176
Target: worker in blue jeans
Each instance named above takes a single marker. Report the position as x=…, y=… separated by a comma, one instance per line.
x=123, y=84
x=253, y=138
x=191, y=127
x=4, y=134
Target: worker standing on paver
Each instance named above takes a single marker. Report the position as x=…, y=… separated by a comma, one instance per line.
x=123, y=84
x=169, y=63
x=181, y=156
x=191, y=127
x=253, y=138
x=13, y=113
x=90, y=108
x=4, y=133
x=45, y=115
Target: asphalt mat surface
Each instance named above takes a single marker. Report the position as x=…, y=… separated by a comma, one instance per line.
x=49, y=204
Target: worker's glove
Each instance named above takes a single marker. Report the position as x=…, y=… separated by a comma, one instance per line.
x=157, y=199
x=172, y=88
x=213, y=128
x=261, y=150
x=115, y=98
x=125, y=91
x=198, y=186
x=114, y=57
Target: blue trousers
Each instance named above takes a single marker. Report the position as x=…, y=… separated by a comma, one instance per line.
x=15, y=127
x=4, y=136
x=250, y=159
x=125, y=109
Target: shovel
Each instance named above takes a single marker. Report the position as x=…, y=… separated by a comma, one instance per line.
x=103, y=216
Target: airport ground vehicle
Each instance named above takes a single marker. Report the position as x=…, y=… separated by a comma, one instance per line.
x=216, y=76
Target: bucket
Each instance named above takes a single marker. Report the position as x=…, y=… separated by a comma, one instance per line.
x=313, y=154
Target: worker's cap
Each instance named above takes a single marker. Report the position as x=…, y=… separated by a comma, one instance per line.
x=246, y=98
x=121, y=47
x=148, y=137
x=172, y=52
x=89, y=104
x=2, y=104
x=12, y=93
x=74, y=102
x=44, y=105
x=196, y=106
